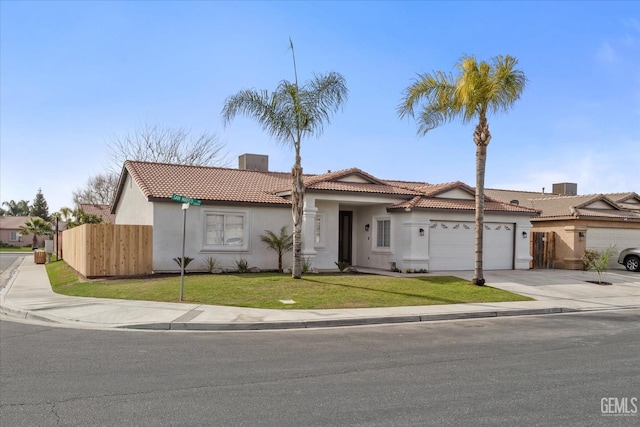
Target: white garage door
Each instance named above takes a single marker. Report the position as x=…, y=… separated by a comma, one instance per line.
x=602, y=238
x=451, y=245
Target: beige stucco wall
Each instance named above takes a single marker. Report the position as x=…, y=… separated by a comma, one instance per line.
x=571, y=238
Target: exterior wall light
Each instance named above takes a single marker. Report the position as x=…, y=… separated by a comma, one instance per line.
x=524, y=234
x=366, y=227
x=421, y=231
x=581, y=234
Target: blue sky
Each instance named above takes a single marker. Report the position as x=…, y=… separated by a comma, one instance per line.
x=74, y=74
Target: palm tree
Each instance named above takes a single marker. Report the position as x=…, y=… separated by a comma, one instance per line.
x=19, y=208
x=38, y=227
x=281, y=244
x=289, y=114
x=478, y=88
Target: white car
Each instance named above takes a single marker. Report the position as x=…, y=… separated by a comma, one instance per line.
x=630, y=258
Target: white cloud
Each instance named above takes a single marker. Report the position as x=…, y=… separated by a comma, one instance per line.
x=606, y=53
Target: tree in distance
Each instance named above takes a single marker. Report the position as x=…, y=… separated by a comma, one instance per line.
x=19, y=208
x=40, y=207
x=36, y=226
x=151, y=143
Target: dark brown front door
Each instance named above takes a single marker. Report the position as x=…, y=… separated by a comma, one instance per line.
x=344, y=236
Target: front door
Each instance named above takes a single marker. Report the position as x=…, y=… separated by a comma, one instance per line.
x=344, y=236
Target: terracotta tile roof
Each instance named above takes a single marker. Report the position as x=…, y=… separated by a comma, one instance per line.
x=158, y=181
x=13, y=222
x=161, y=180
x=337, y=175
x=103, y=211
x=357, y=187
x=553, y=206
x=421, y=202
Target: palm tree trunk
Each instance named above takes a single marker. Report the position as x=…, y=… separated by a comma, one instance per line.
x=297, y=202
x=481, y=137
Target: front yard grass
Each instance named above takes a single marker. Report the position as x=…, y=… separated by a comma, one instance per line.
x=16, y=249
x=265, y=290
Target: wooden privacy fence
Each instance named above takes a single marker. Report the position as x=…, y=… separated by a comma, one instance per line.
x=99, y=250
x=544, y=249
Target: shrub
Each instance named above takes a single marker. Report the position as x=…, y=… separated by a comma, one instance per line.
x=187, y=261
x=306, y=265
x=598, y=260
x=588, y=258
x=242, y=265
x=210, y=263
x=342, y=265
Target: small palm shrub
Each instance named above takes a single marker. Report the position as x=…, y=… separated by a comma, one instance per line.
x=187, y=261
x=242, y=265
x=342, y=265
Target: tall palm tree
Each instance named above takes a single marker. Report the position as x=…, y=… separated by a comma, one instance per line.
x=289, y=114
x=38, y=227
x=477, y=89
x=280, y=243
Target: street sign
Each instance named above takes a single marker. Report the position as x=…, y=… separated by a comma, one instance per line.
x=185, y=199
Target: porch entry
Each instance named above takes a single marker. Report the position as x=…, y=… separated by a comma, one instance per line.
x=345, y=229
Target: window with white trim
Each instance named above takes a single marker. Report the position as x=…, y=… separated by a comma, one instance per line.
x=383, y=233
x=225, y=230
x=14, y=236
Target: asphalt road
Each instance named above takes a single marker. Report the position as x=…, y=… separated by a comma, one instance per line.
x=6, y=261
x=537, y=370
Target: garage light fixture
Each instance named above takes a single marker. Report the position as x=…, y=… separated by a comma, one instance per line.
x=366, y=227
x=421, y=231
x=524, y=234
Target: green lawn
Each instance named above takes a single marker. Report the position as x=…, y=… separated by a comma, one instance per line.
x=22, y=249
x=265, y=290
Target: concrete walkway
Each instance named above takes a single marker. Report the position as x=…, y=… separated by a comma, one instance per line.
x=28, y=295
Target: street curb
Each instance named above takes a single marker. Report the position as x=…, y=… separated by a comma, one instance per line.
x=363, y=321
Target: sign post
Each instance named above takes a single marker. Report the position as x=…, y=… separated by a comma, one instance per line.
x=185, y=206
x=186, y=201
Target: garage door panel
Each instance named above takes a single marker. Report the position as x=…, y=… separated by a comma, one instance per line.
x=451, y=245
x=602, y=238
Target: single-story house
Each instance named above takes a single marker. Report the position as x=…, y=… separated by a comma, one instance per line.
x=102, y=211
x=578, y=222
x=349, y=216
x=10, y=232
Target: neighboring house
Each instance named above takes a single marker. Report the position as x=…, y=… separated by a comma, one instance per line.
x=10, y=232
x=103, y=211
x=579, y=222
x=349, y=216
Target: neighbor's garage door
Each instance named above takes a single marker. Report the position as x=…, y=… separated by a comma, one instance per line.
x=602, y=238
x=451, y=246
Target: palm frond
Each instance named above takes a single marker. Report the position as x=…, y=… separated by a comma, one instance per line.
x=478, y=87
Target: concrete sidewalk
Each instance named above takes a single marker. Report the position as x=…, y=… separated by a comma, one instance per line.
x=28, y=295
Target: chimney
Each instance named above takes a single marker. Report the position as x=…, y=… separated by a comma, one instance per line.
x=254, y=162
x=565, y=189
